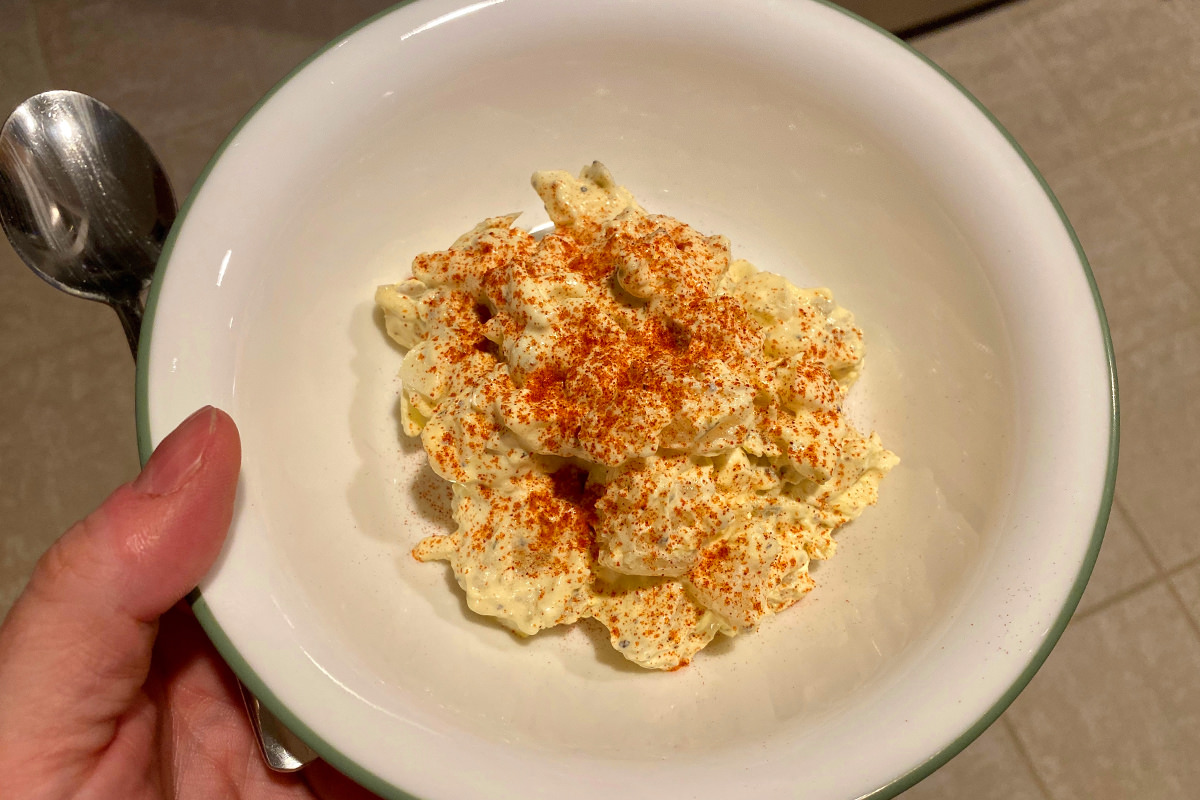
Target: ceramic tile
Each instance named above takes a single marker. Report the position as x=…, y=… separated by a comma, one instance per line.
x=185, y=152
x=1115, y=708
x=1161, y=181
x=1144, y=295
x=1123, y=69
x=991, y=768
x=985, y=57
x=278, y=34
x=164, y=65
x=981, y=53
x=283, y=33
x=1160, y=421
x=1037, y=122
x=22, y=70
x=1104, y=96
x=275, y=53
x=317, y=19
x=1123, y=564
x=68, y=439
x=1099, y=212
x=1191, y=13
x=35, y=317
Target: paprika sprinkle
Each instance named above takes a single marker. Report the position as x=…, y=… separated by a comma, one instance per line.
x=638, y=428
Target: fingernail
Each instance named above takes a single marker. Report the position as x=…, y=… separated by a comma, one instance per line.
x=178, y=456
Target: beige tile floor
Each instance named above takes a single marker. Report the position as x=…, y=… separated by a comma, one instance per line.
x=1105, y=96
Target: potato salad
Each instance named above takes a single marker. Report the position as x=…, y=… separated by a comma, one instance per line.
x=639, y=429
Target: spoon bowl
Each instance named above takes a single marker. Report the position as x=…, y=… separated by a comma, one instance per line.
x=88, y=206
x=84, y=201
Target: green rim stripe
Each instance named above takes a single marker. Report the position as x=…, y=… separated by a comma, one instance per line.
x=931, y=765
x=204, y=615
x=377, y=785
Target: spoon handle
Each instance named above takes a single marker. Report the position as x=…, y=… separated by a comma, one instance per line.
x=129, y=311
x=281, y=749
x=87, y=206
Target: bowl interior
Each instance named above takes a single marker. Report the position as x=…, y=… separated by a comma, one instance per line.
x=825, y=152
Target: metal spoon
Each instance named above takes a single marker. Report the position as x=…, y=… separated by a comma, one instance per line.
x=87, y=206
x=84, y=201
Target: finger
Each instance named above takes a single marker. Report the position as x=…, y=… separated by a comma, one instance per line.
x=207, y=719
x=210, y=747
x=195, y=687
x=76, y=647
x=189, y=668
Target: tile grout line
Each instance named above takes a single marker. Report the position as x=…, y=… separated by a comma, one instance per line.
x=1023, y=754
x=1099, y=167
x=1144, y=540
x=1119, y=597
x=1193, y=623
x=1189, y=325
x=1076, y=136
x=1163, y=575
x=1183, y=566
x=1148, y=140
x=1102, y=159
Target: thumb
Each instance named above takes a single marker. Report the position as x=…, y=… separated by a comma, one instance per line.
x=75, y=648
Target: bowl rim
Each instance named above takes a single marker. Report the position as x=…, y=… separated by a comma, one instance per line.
x=374, y=783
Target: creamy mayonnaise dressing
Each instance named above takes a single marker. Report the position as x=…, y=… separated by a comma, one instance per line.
x=638, y=428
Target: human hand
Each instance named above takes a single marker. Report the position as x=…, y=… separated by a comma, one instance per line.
x=108, y=686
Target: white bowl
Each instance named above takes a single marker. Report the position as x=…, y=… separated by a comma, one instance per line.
x=826, y=151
